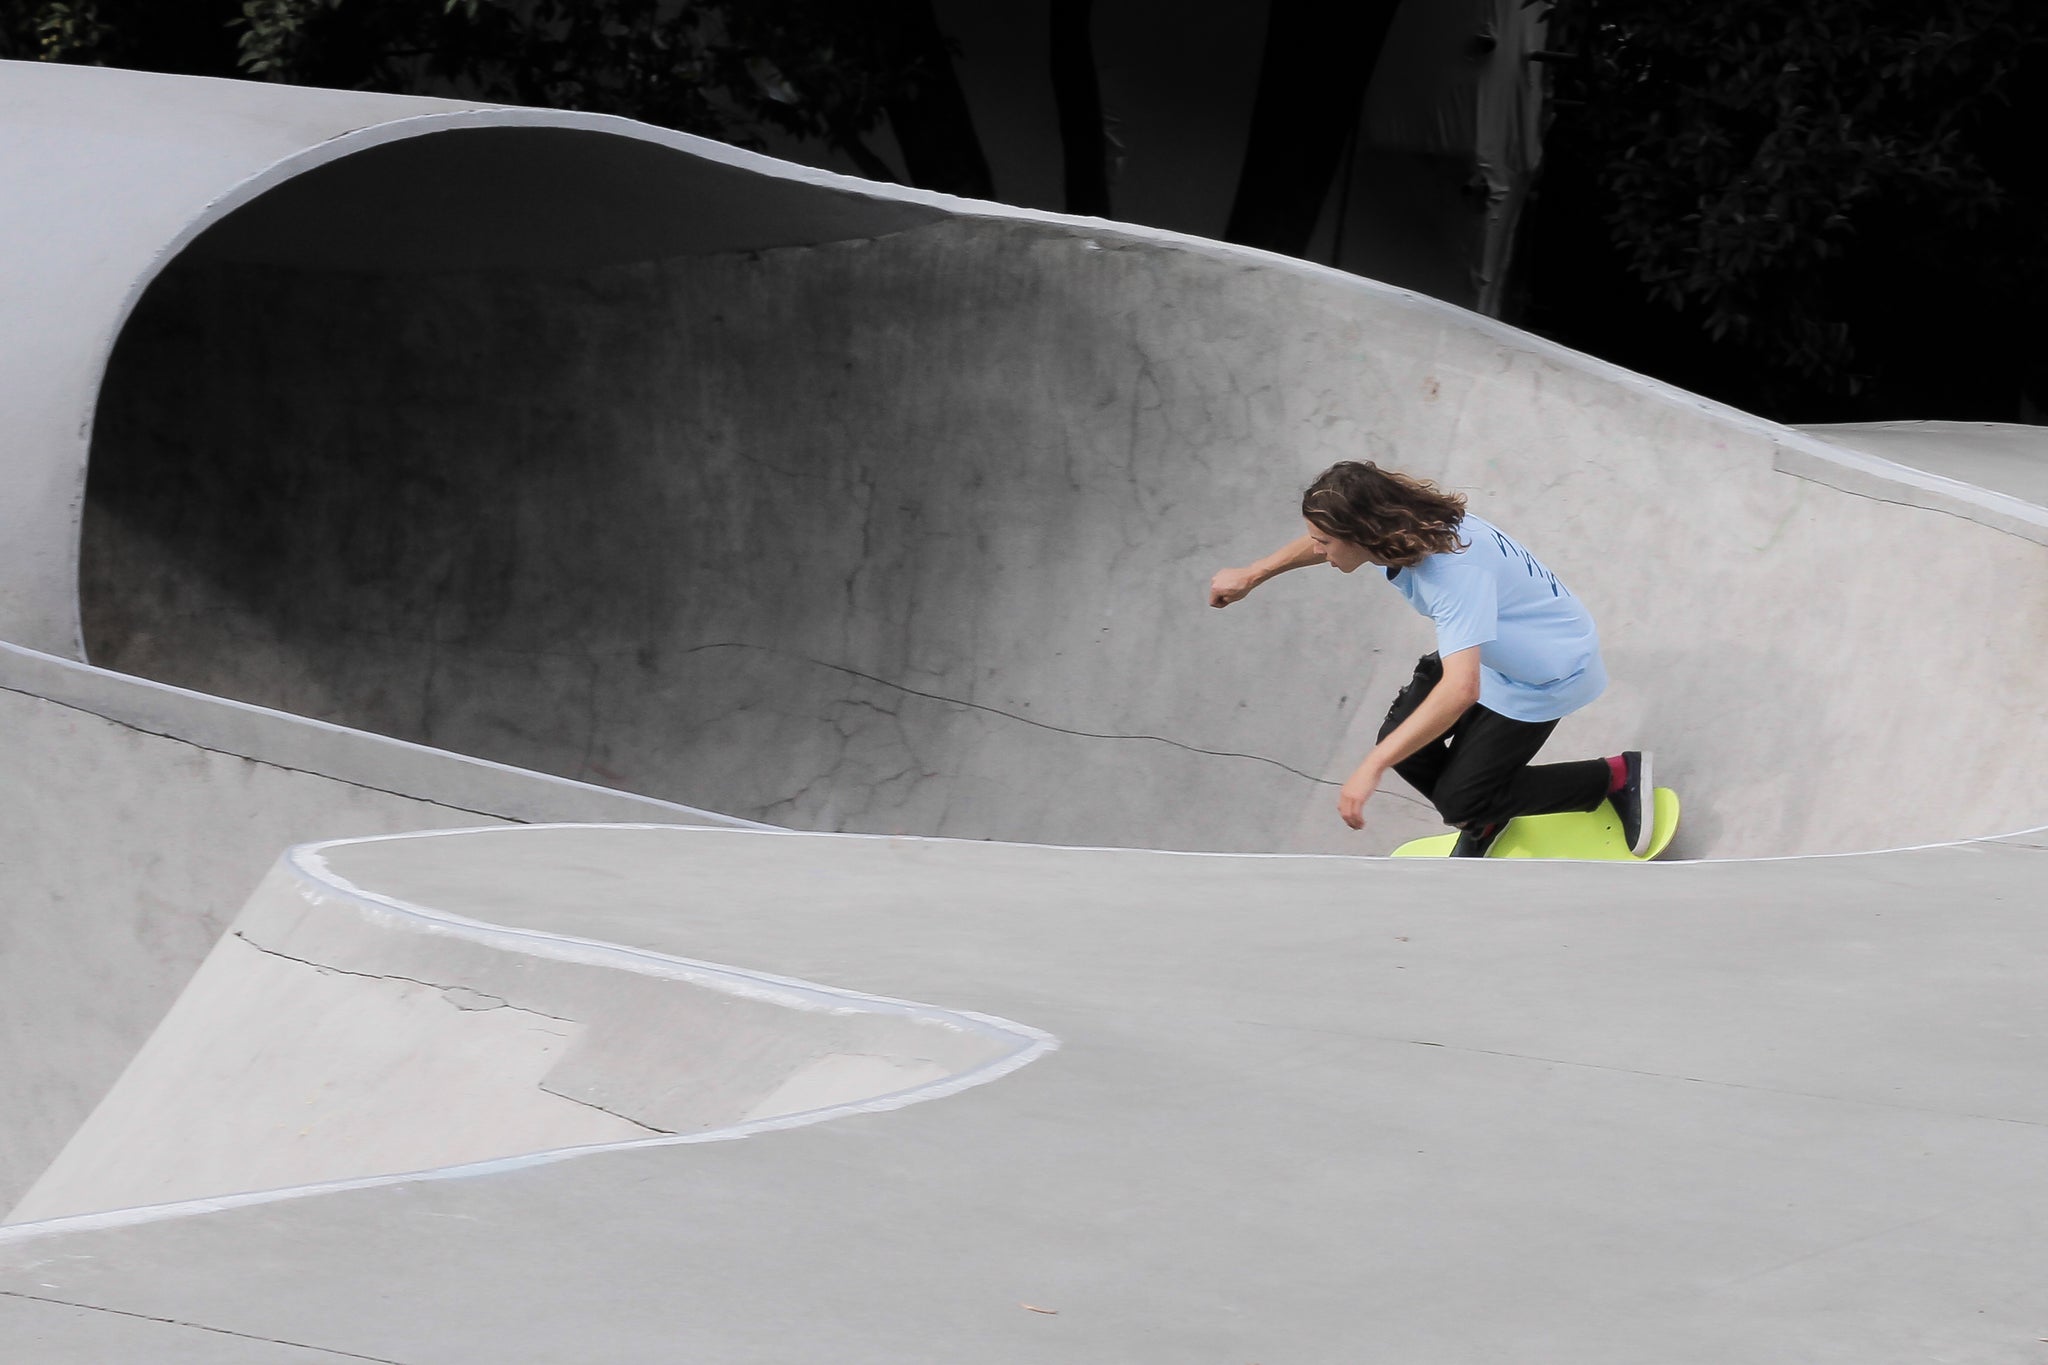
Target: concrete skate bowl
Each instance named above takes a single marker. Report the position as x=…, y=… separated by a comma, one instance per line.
x=339, y=1034
x=851, y=509
x=895, y=513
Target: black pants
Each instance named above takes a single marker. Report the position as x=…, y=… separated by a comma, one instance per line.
x=1477, y=774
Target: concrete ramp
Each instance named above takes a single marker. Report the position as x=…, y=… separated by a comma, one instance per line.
x=139, y=817
x=338, y=1033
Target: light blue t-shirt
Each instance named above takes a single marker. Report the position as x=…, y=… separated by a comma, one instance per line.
x=1539, y=655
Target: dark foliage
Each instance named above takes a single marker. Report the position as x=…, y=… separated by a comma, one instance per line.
x=188, y=37
x=1317, y=63
x=1826, y=210
x=1084, y=147
x=730, y=69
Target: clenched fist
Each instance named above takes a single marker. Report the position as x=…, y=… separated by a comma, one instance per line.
x=1230, y=584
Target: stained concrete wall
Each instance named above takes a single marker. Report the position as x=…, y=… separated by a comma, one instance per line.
x=912, y=534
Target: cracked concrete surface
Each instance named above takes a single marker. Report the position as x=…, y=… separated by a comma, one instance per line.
x=98, y=1328
x=461, y=997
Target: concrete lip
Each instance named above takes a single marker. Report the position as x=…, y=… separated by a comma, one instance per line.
x=2002, y=457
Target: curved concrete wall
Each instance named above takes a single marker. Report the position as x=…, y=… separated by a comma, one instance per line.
x=106, y=173
x=911, y=534
x=620, y=454
x=117, y=171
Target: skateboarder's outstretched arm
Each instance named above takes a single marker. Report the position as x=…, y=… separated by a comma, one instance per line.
x=1231, y=584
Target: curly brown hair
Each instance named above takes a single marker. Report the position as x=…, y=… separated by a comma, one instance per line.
x=1397, y=519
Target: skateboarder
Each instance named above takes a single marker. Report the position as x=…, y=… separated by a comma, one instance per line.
x=1516, y=653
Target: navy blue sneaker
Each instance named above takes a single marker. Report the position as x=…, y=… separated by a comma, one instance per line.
x=1635, y=802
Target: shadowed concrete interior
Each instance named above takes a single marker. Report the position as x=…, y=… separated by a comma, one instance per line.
x=927, y=517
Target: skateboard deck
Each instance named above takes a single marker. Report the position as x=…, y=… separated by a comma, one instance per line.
x=1584, y=834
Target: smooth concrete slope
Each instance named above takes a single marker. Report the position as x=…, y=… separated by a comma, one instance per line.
x=335, y=1033
x=138, y=819
x=618, y=454
x=1303, y=1109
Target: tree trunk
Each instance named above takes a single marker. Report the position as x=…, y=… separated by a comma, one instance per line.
x=933, y=126
x=1082, y=143
x=1312, y=81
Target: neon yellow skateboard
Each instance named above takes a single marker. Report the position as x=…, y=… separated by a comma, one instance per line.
x=1585, y=834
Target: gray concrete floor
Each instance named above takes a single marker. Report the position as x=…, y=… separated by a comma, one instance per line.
x=1303, y=1110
